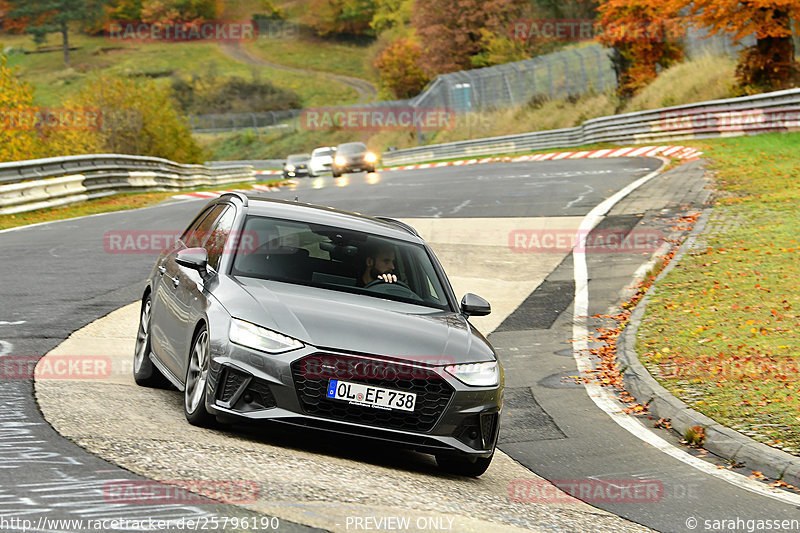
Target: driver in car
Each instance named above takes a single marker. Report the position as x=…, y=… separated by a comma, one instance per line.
x=378, y=265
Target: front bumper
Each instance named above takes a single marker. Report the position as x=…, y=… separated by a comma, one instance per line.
x=449, y=417
x=296, y=172
x=358, y=165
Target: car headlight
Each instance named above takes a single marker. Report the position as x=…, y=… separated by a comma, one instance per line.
x=262, y=339
x=290, y=168
x=476, y=374
x=340, y=160
x=370, y=157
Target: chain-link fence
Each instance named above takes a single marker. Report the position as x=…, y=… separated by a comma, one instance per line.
x=265, y=120
x=558, y=75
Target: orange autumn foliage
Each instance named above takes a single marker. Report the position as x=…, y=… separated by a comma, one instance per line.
x=400, y=70
x=645, y=37
x=769, y=64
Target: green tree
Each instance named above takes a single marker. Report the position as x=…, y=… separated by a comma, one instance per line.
x=54, y=16
x=15, y=98
x=391, y=14
x=138, y=118
x=341, y=17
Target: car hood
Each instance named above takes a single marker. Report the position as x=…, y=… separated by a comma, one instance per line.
x=356, y=323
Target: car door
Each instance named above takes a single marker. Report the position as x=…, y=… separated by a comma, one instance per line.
x=191, y=293
x=169, y=315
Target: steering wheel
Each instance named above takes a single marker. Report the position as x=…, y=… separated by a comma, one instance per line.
x=397, y=288
x=379, y=281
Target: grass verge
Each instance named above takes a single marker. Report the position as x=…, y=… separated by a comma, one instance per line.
x=162, y=60
x=721, y=332
x=118, y=202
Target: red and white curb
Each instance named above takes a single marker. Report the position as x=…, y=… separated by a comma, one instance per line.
x=684, y=153
x=677, y=152
x=215, y=194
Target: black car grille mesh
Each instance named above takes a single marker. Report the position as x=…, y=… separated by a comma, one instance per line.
x=255, y=396
x=312, y=374
x=231, y=380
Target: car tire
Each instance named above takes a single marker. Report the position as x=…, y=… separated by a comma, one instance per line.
x=145, y=372
x=194, y=396
x=336, y=174
x=463, y=466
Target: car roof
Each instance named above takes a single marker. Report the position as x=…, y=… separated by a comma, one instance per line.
x=327, y=148
x=329, y=216
x=352, y=144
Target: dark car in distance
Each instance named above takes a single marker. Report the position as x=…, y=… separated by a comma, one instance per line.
x=353, y=157
x=259, y=313
x=296, y=165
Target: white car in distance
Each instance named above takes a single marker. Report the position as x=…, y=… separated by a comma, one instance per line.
x=321, y=160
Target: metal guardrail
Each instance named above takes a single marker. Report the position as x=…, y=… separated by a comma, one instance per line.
x=57, y=181
x=258, y=164
x=748, y=115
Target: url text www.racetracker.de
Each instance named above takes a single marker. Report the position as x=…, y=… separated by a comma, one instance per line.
x=211, y=523
x=696, y=523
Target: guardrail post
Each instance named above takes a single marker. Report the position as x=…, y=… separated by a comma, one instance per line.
x=583, y=71
x=567, y=81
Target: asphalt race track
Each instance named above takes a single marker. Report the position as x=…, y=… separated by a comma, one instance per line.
x=59, y=277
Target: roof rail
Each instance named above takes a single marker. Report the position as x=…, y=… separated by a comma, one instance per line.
x=399, y=224
x=237, y=194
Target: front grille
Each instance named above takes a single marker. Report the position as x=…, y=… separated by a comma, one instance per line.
x=311, y=375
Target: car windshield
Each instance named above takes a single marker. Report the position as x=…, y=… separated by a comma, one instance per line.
x=322, y=153
x=351, y=148
x=336, y=259
x=296, y=158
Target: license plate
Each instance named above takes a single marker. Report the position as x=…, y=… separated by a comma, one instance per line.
x=380, y=398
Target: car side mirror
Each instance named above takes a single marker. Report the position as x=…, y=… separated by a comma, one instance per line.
x=474, y=305
x=194, y=258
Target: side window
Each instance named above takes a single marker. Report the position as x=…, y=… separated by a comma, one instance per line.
x=219, y=237
x=196, y=237
x=193, y=226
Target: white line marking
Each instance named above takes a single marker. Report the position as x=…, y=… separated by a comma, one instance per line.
x=581, y=197
x=17, y=323
x=460, y=206
x=603, y=399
